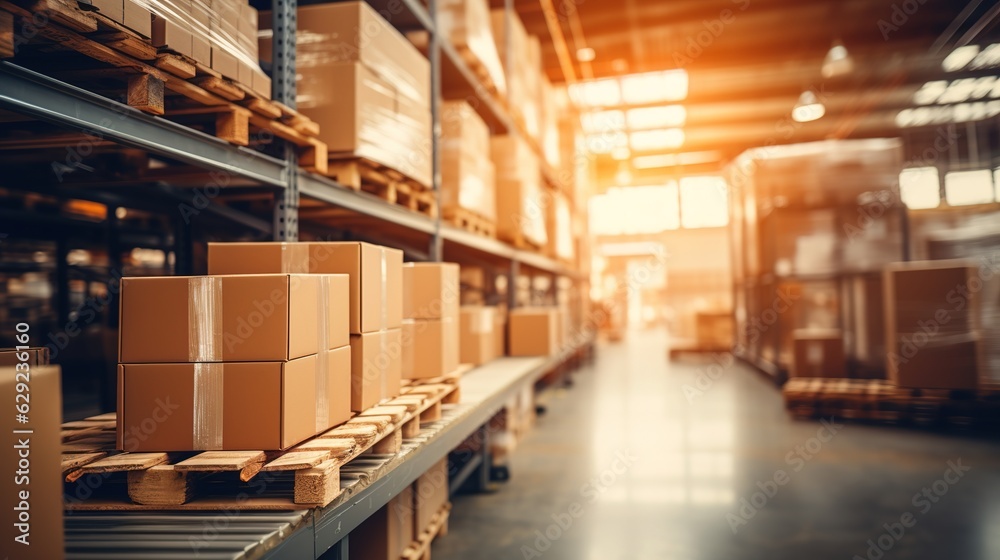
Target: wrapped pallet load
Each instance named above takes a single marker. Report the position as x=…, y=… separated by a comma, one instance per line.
x=365, y=85
x=220, y=35
x=468, y=177
x=520, y=203
x=466, y=24
x=523, y=68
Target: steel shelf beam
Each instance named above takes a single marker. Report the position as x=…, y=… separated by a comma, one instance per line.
x=56, y=102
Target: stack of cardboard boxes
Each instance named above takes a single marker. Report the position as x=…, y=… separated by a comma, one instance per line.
x=236, y=353
x=374, y=308
x=430, y=320
x=365, y=85
x=468, y=177
x=816, y=352
x=520, y=205
x=521, y=69
x=933, y=324
x=218, y=34
x=559, y=218
x=227, y=362
x=466, y=24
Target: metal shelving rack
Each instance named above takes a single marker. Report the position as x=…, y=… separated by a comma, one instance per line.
x=322, y=532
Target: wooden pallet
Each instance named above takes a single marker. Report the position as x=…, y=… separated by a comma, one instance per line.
x=470, y=221
x=361, y=174
x=87, y=49
x=878, y=400
x=478, y=69
x=519, y=241
x=420, y=549
x=307, y=475
x=430, y=384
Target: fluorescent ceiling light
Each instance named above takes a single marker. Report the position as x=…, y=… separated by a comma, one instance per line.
x=919, y=187
x=585, y=54
x=668, y=85
x=808, y=108
x=671, y=160
x=596, y=93
x=968, y=187
x=647, y=140
x=606, y=143
x=837, y=62
x=602, y=121
x=656, y=117
x=960, y=58
x=988, y=58
x=930, y=92
x=958, y=91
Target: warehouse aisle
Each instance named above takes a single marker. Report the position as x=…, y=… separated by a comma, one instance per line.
x=645, y=460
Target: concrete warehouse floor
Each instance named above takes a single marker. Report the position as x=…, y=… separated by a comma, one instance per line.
x=629, y=464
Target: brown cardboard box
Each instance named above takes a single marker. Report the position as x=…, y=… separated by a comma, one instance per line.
x=387, y=532
x=112, y=9
x=430, y=347
x=500, y=331
x=472, y=281
x=261, y=84
x=430, y=494
x=172, y=35
x=376, y=281
x=520, y=207
x=468, y=179
x=477, y=339
x=362, y=35
x=818, y=353
x=940, y=294
x=430, y=290
x=376, y=367
x=223, y=61
x=953, y=364
x=228, y=318
x=258, y=258
x=234, y=406
x=533, y=331
x=136, y=17
x=34, y=496
x=32, y=356
x=338, y=387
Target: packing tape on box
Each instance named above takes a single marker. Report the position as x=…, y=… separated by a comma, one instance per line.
x=205, y=314
x=207, y=406
x=323, y=356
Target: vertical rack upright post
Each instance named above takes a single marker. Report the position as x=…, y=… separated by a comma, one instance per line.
x=286, y=200
x=436, y=251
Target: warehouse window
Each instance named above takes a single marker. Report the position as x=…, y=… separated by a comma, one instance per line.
x=704, y=202
x=968, y=187
x=628, y=210
x=919, y=187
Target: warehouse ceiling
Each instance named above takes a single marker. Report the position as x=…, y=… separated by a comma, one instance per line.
x=749, y=62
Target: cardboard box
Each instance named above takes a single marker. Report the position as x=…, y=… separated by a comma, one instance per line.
x=361, y=114
x=249, y=318
x=818, y=353
x=223, y=61
x=112, y=9
x=258, y=258
x=430, y=347
x=430, y=290
x=387, y=532
x=500, y=331
x=201, y=25
x=953, y=364
x=520, y=206
x=376, y=367
x=42, y=487
x=376, y=281
x=466, y=24
x=229, y=406
x=136, y=16
x=171, y=35
x=533, y=331
x=468, y=178
x=938, y=294
x=430, y=494
x=32, y=356
x=472, y=281
x=261, y=84
x=359, y=34
x=477, y=341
